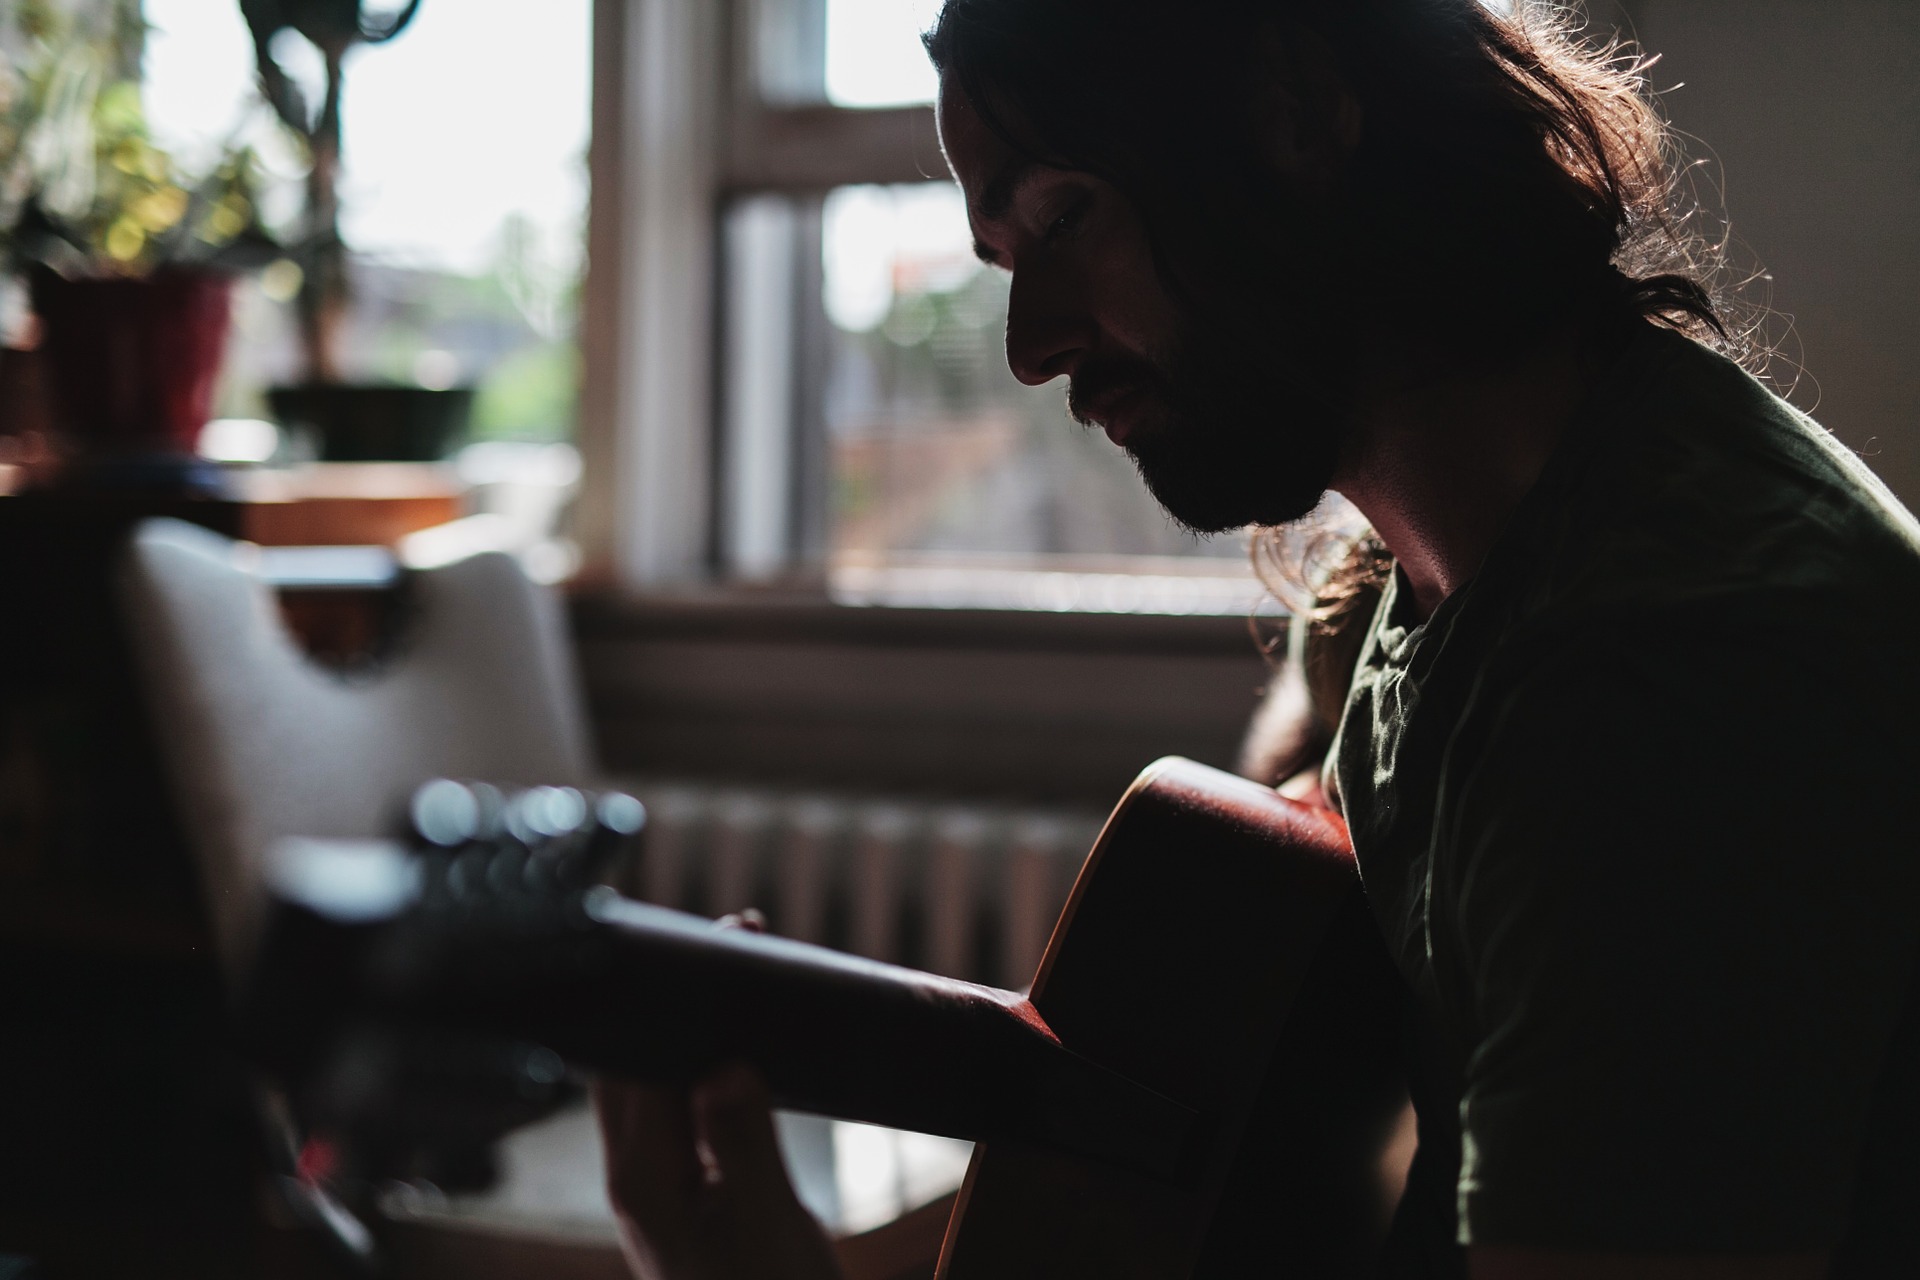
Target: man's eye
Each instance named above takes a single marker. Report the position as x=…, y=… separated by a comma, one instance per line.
x=1068, y=219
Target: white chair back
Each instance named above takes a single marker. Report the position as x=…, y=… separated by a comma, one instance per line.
x=262, y=742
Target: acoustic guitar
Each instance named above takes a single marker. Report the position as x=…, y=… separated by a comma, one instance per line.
x=1197, y=1083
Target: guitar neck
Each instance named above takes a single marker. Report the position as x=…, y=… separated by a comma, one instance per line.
x=650, y=993
x=1213, y=973
x=848, y=1037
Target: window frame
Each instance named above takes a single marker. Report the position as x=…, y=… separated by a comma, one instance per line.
x=682, y=136
x=679, y=134
x=673, y=143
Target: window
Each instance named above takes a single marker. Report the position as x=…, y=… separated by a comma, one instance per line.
x=873, y=53
x=464, y=197
x=868, y=428
x=934, y=446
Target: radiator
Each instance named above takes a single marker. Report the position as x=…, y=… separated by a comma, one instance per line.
x=970, y=891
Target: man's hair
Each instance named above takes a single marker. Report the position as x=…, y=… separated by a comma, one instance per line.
x=1507, y=172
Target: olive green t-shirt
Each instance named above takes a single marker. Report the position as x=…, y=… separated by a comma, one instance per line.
x=1638, y=811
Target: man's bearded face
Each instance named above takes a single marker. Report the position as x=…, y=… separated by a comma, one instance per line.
x=1229, y=427
x=1217, y=389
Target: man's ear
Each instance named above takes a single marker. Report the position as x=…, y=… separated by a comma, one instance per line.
x=1310, y=118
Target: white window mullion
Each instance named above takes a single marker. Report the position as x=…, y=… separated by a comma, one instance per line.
x=757, y=396
x=646, y=404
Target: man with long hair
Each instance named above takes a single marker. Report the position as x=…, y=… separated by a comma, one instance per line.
x=1625, y=744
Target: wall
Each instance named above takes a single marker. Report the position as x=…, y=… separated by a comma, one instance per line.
x=1812, y=113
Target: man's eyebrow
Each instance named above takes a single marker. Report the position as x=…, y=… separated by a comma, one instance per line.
x=996, y=199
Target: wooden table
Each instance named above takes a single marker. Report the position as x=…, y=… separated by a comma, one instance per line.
x=332, y=504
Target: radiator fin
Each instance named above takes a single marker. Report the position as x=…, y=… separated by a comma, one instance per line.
x=967, y=890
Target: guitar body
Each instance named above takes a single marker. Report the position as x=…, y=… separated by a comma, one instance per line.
x=1216, y=948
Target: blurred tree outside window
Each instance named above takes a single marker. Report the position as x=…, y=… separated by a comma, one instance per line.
x=935, y=446
x=464, y=197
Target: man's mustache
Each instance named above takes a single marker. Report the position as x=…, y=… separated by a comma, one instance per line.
x=1101, y=380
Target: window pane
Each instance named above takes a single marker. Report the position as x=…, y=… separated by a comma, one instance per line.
x=934, y=446
x=464, y=195
x=874, y=55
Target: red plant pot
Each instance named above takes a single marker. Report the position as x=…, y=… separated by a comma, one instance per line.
x=131, y=364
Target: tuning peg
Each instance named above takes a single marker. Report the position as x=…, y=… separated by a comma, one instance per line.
x=492, y=802
x=619, y=814
x=444, y=814
x=617, y=819
x=542, y=815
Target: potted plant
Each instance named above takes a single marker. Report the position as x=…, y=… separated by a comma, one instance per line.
x=352, y=421
x=129, y=261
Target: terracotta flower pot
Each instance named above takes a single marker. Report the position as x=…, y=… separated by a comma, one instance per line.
x=131, y=366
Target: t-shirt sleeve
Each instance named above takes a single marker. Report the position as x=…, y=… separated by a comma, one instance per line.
x=1680, y=903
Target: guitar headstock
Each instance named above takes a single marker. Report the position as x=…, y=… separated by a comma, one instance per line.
x=374, y=956
x=478, y=841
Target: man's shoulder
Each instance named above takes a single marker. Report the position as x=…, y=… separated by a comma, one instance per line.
x=1699, y=488
x=1714, y=560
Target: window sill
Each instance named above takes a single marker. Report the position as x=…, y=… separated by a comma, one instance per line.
x=789, y=689
x=809, y=614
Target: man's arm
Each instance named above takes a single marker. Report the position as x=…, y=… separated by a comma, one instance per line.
x=1496, y=1262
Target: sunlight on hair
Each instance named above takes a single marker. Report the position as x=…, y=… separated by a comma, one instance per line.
x=1305, y=563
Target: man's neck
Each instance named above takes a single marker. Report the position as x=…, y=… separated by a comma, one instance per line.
x=1437, y=465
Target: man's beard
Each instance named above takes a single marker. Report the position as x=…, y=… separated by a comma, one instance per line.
x=1239, y=428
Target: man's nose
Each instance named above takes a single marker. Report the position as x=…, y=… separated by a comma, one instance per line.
x=1049, y=328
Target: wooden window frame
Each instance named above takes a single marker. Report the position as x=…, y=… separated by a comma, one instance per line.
x=690, y=673
x=678, y=132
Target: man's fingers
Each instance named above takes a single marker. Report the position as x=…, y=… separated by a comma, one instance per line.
x=680, y=1221
x=754, y=1203
x=735, y=1120
x=653, y=1168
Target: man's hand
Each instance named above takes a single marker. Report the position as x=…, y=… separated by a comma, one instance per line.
x=698, y=1183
